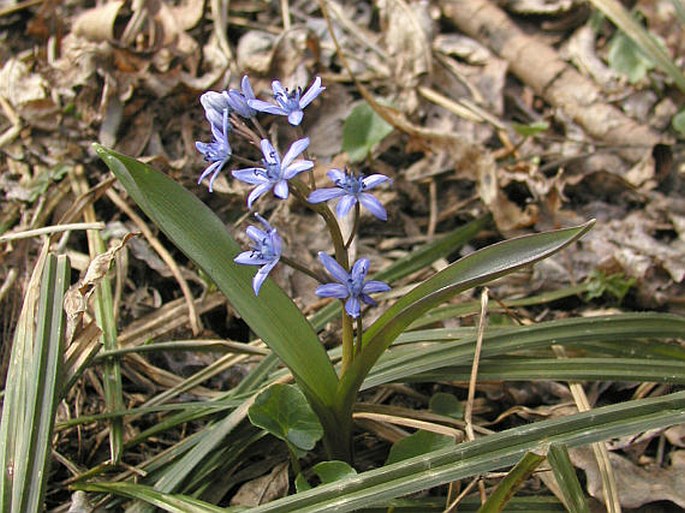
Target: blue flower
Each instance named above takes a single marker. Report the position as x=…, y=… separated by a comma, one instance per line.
x=351, y=189
x=218, y=151
x=215, y=104
x=276, y=172
x=289, y=103
x=266, y=251
x=350, y=286
x=238, y=100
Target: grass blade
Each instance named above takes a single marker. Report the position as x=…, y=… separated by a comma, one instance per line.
x=567, y=479
x=33, y=388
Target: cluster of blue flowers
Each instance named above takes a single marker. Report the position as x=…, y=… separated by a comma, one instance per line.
x=223, y=110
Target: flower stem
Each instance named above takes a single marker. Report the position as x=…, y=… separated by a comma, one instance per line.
x=299, y=267
x=360, y=332
x=347, y=341
x=355, y=226
x=305, y=153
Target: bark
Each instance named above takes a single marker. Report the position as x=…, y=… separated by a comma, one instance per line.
x=539, y=66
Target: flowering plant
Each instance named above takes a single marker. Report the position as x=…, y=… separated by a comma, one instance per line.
x=329, y=386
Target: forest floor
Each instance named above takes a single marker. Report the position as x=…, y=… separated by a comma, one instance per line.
x=539, y=114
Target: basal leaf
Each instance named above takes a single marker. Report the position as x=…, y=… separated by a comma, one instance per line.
x=201, y=235
x=283, y=411
x=363, y=129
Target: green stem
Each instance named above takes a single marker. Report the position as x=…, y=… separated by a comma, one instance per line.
x=360, y=332
x=355, y=226
x=299, y=267
x=347, y=341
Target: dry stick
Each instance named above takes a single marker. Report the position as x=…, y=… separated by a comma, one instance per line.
x=285, y=12
x=468, y=409
x=540, y=66
x=452, y=507
x=195, y=323
x=611, y=497
x=45, y=230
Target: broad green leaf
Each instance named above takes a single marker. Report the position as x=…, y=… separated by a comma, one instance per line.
x=512, y=482
x=471, y=271
x=486, y=454
x=363, y=129
x=201, y=235
x=626, y=58
x=332, y=471
x=416, y=444
x=283, y=411
x=447, y=405
x=567, y=479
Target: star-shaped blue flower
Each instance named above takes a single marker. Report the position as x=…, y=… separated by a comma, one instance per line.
x=238, y=100
x=351, y=189
x=266, y=251
x=289, y=103
x=350, y=286
x=276, y=172
x=218, y=151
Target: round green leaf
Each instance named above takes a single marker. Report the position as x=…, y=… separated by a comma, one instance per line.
x=284, y=412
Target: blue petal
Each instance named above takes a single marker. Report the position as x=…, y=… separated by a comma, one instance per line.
x=296, y=168
x=261, y=275
x=258, y=191
x=321, y=195
x=344, y=205
x=371, y=181
x=250, y=175
x=336, y=290
x=295, y=149
x=333, y=267
x=373, y=286
x=314, y=90
x=336, y=175
x=373, y=205
x=267, y=107
x=281, y=189
x=360, y=269
x=295, y=117
x=353, y=307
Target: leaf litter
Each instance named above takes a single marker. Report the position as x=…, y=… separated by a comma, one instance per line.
x=129, y=73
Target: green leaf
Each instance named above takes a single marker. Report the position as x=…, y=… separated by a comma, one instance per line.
x=168, y=502
x=471, y=271
x=678, y=123
x=416, y=444
x=332, y=471
x=201, y=235
x=447, y=405
x=363, y=129
x=33, y=387
x=653, y=48
x=567, y=479
x=626, y=58
x=512, y=482
x=486, y=454
x=283, y=411
x=531, y=129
